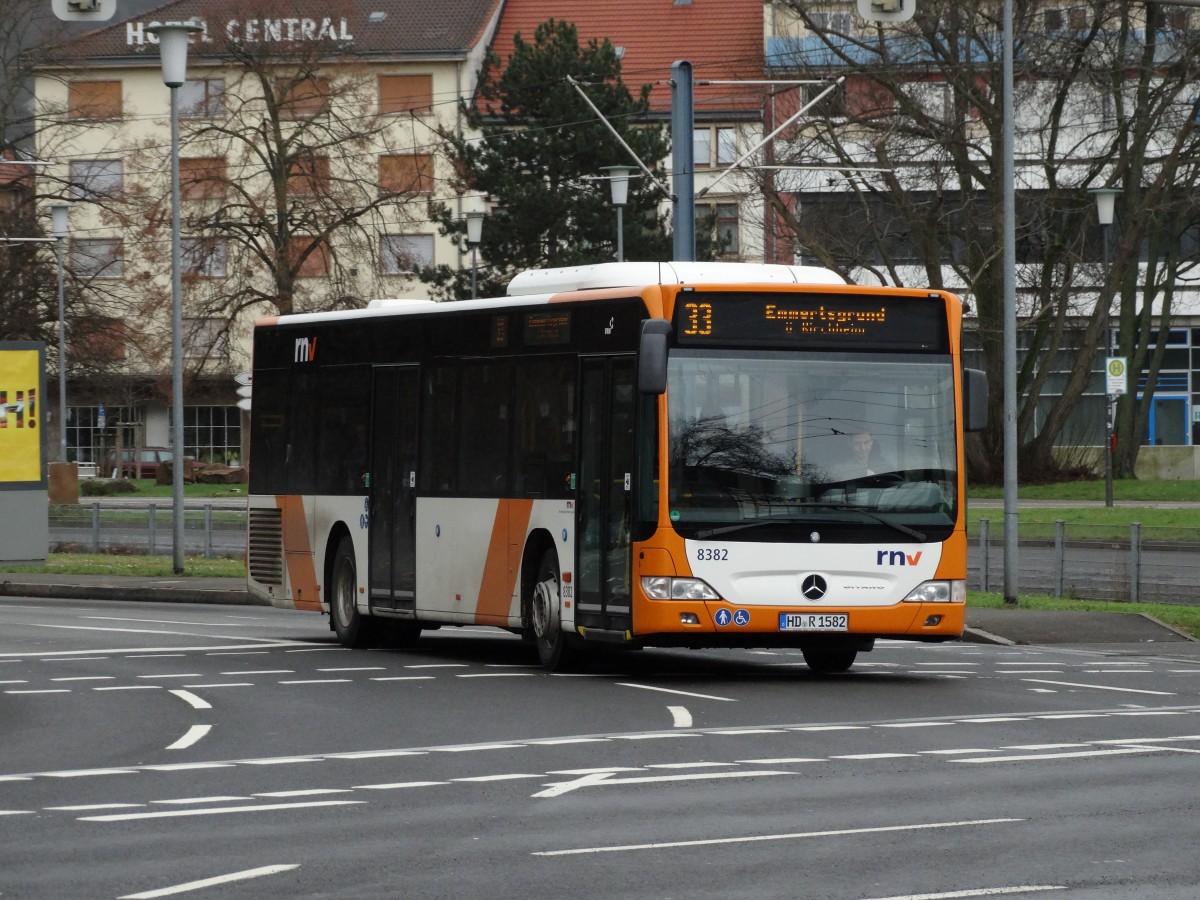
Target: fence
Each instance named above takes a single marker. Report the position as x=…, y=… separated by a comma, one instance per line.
x=1140, y=564
x=1158, y=564
x=208, y=530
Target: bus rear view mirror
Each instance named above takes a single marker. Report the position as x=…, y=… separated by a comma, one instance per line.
x=975, y=400
x=652, y=356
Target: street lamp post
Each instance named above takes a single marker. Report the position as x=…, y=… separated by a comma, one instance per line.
x=618, y=182
x=173, y=40
x=474, y=235
x=58, y=224
x=1106, y=200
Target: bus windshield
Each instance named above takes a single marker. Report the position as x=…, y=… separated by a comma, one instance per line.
x=846, y=447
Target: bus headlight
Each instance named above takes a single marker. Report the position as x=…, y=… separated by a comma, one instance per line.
x=661, y=587
x=939, y=592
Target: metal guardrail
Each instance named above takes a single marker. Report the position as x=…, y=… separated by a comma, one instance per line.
x=209, y=530
x=1148, y=564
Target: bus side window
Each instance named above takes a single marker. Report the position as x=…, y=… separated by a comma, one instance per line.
x=545, y=427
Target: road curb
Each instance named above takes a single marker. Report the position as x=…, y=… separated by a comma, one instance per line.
x=979, y=636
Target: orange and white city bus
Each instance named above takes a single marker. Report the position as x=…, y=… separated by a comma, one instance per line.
x=639, y=454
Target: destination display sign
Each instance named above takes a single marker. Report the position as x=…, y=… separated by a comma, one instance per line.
x=812, y=320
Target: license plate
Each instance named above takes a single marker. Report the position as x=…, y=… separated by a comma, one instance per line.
x=814, y=622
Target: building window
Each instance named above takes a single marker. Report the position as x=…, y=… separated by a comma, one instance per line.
x=96, y=179
x=202, y=257
x=94, y=100
x=99, y=339
x=202, y=178
x=97, y=258
x=714, y=146
x=308, y=176
x=306, y=99
x=720, y=220
x=203, y=98
x=406, y=94
x=832, y=22
x=205, y=339
x=213, y=434
x=313, y=265
x=406, y=174
x=402, y=254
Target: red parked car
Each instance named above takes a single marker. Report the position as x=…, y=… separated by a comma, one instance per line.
x=150, y=457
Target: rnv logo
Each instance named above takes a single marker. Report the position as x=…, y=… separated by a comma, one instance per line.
x=896, y=558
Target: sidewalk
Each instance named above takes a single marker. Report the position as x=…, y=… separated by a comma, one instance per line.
x=988, y=626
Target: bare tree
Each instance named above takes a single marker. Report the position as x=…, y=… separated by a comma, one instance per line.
x=286, y=195
x=1100, y=101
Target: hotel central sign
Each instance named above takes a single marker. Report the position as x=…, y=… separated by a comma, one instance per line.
x=253, y=31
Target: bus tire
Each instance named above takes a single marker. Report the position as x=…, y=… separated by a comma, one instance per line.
x=829, y=660
x=350, y=625
x=556, y=649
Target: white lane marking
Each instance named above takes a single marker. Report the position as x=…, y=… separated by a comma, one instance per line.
x=835, y=727
x=172, y=675
x=1078, y=755
x=280, y=761
x=913, y=724
x=87, y=807
x=191, y=699
x=73, y=655
x=396, y=785
x=190, y=737
x=437, y=666
x=375, y=754
x=1099, y=687
x=355, y=669
x=40, y=691
x=263, y=672
x=196, y=801
x=274, y=642
x=647, y=687
x=181, y=767
x=75, y=678
x=690, y=765
x=155, y=621
x=782, y=761
x=798, y=835
x=23, y=681
x=979, y=892
x=403, y=678
x=513, y=777
x=244, y=875
x=16, y=812
x=605, y=778
x=316, y=681
x=680, y=716
x=88, y=773
x=156, y=656
x=130, y=687
x=869, y=756
x=496, y=675
x=741, y=731
x=467, y=748
x=220, y=684
x=217, y=811
x=311, y=792
x=554, y=742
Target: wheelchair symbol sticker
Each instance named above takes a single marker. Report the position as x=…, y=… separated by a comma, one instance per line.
x=739, y=617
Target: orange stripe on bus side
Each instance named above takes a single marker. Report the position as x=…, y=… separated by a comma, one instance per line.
x=503, y=561
x=298, y=555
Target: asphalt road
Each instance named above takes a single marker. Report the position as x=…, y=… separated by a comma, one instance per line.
x=152, y=750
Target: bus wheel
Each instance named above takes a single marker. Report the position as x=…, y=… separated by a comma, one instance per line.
x=826, y=660
x=554, y=647
x=350, y=625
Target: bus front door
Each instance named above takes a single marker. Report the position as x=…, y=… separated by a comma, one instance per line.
x=393, y=504
x=604, y=506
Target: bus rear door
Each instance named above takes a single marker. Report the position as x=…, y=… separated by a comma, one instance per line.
x=393, y=505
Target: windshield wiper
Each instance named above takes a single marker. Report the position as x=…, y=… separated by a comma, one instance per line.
x=839, y=507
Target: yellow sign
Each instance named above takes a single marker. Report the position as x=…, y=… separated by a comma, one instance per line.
x=21, y=406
